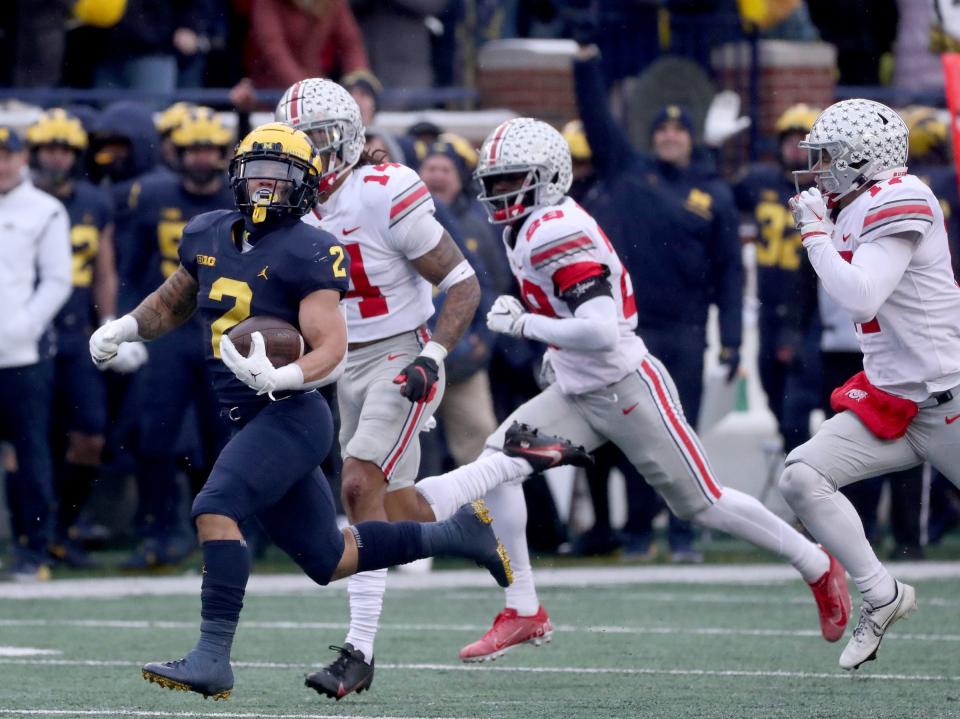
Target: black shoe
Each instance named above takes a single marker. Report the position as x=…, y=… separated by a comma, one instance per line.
x=346, y=674
x=71, y=554
x=543, y=451
x=196, y=672
x=470, y=535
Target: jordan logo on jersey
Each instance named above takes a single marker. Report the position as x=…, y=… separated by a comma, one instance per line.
x=263, y=273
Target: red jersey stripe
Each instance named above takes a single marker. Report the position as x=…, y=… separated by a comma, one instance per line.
x=545, y=255
x=921, y=209
x=408, y=200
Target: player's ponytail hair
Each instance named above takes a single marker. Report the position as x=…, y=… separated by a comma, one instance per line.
x=376, y=157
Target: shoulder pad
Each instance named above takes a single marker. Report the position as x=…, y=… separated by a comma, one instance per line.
x=204, y=222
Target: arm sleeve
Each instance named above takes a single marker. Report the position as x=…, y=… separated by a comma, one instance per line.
x=862, y=285
x=611, y=149
x=53, y=266
x=728, y=261
x=593, y=328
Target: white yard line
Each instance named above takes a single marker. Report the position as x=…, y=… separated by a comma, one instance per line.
x=279, y=584
x=27, y=652
x=143, y=624
x=229, y=715
x=631, y=671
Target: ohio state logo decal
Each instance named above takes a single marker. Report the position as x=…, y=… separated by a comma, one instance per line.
x=856, y=394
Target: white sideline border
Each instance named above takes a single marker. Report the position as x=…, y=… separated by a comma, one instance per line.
x=509, y=669
x=282, y=584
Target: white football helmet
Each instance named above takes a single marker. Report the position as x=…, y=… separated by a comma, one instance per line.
x=863, y=140
x=529, y=148
x=331, y=117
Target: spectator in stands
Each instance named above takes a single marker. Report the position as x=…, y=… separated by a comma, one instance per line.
x=761, y=193
x=398, y=39
x=674, y=224
x=290, y=40
x=365, y=88
x=862, y=33
x=57, y=142
x=584, y=176
x=33, y=40
x=141, y=50
x=467, y=410
x=35, y=266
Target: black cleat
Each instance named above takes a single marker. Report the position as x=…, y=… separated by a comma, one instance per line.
x=346, y=674
x=474, y=539
x=200, y=673
x=543, y=451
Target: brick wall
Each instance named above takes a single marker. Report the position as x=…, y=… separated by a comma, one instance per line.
x=530, y=77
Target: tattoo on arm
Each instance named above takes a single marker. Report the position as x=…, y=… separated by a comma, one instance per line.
x=167, y=307
x=462, y=299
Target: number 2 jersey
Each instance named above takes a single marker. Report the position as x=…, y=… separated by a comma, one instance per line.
x=375, y=214
x=288, y=261
x=556, y=249
x=912, y=347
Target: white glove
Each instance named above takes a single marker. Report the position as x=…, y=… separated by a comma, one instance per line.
x=130, y=357
x=722, y=121
x=810, y=215
x=507, y=316
x=106, y=341
x=256, y=370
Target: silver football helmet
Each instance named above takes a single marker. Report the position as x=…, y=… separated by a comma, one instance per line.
x=530, y=149
x=853, y=142
x=330, y=116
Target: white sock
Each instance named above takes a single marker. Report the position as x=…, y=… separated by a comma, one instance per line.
x=366, y=592
x=446, y=493
x=509, y=510
x=830, y=517
x=745, y=517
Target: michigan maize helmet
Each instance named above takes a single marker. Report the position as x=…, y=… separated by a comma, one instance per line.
x=797, y=118
x=576, y=139
x=170, y=119
x=929, y=132
x=284, y=168
x=57, y=127
x=200, y=128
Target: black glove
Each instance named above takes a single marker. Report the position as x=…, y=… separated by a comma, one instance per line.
x=418, y=380
x=730, y=358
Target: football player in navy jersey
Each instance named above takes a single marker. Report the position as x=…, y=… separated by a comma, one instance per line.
x=57, y=141
x=261, y=260
x=175, y=378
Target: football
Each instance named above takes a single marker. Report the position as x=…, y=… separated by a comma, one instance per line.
x=284, y=344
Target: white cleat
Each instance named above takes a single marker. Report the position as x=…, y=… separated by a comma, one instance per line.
x=865, y=642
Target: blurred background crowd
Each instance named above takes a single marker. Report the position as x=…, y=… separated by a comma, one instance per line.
x=682, y=117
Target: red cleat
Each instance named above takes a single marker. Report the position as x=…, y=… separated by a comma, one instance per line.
x=508, y=631
x=833, y=600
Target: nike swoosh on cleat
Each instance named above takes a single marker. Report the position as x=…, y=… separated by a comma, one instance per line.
x=628, y=410
x=553, y=454
x=951, y=420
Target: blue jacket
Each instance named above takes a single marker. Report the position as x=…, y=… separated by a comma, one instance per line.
x=676, y=230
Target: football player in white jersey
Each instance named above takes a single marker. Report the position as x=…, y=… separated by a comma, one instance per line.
x=875, y=236
x=383, y=215
x=579, y=301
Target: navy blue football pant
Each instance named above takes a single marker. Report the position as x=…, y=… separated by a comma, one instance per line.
x=270, y=470
x=680, y=349
x=174, y=380
x=25, y=397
